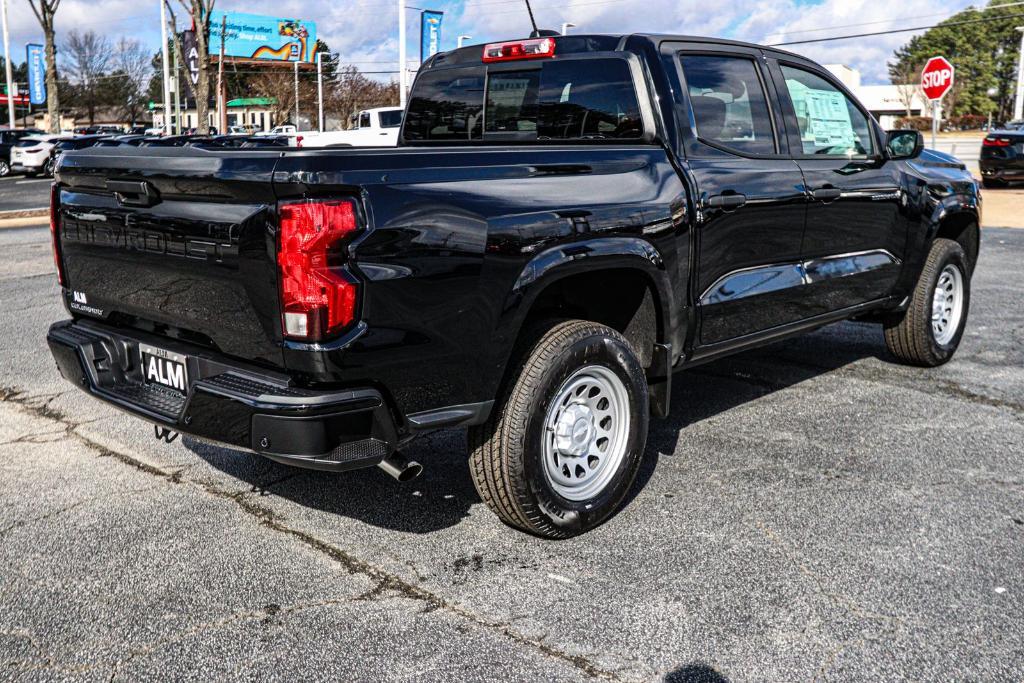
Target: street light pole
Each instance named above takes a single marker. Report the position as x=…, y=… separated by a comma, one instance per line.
x=565, y=28
x=320, y=89
x=402, y=76
x=7, y=62
x=462, y=38
x=167, y=68
x=1018, y=104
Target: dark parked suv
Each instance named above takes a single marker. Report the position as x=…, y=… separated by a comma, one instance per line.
x=565, y=223
x=1002, y=156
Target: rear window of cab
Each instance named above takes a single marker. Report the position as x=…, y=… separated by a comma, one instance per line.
x=555, y=100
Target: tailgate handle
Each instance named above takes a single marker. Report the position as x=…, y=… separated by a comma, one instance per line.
x=133, y=192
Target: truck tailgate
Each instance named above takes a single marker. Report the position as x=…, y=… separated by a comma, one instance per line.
x=177, y=241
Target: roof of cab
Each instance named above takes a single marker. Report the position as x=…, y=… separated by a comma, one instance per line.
x=593, y=42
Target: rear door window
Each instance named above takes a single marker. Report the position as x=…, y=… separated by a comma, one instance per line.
x=568, y=99
x=729, y=104
x=830, y=124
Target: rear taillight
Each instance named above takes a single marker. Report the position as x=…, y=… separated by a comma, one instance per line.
x=298, y=141
x=55, y=232
x=519, y=49
x=33, y=151
x=318, y=295
x=995, y=142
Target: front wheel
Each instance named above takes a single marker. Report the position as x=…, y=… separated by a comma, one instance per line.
x=929, y=332
x=48, y=169
x=557, y=458
x=5, y=169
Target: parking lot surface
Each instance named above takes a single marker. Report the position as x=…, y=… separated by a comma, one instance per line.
x=18, y=193
x=809, y=511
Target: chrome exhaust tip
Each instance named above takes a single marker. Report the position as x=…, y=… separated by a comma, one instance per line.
x=400, y=468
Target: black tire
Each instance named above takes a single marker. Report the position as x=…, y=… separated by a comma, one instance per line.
x=5, y=169
x=911, y=337
x=48, y=169
x=506, y=452
x=992, y=183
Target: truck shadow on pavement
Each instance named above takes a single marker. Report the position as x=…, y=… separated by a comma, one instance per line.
x=443, y=495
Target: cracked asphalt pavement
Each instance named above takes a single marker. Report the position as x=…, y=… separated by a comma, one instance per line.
x=809, y=511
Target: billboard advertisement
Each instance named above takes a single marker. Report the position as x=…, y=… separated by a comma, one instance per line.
x=430, y=33
x=252, y=36
x=36, y=74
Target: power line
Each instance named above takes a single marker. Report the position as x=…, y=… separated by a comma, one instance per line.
x=892, y=19
x=897, y=30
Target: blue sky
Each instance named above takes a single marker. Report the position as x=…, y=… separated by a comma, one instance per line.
x=365, y=32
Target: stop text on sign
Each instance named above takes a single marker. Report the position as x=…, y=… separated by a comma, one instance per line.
x=937, y=78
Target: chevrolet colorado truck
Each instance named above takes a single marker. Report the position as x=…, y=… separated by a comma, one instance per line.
x=566, y=222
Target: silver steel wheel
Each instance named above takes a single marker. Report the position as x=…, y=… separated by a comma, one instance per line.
x=5, y=169
x=947, y=304
x=586, y=433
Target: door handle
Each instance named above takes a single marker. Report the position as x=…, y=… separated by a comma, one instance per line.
x=726, y=201
x=827, y=194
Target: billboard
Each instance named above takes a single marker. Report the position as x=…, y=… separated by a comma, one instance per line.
x=252, y=36
x=430, y=33
x=36, y=74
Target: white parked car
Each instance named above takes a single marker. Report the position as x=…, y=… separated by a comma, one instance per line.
x=29, y=155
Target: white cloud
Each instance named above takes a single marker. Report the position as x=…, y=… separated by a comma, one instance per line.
x=365, y=31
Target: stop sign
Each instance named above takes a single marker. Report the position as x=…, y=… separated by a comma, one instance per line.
x=937, y=78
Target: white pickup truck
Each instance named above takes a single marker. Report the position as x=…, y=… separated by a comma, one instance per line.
x=374, y=128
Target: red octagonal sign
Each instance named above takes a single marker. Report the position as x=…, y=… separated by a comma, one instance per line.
x=937, y=78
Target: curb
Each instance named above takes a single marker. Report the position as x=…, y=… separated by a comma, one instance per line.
x=23, y=219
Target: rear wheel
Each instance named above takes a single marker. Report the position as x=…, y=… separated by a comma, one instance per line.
x=558, y=456
x=992, y=183
x=929, y=332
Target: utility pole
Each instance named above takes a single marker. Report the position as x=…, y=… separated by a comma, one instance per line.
x=565, y=28
x=10, y=78
x=1018, y=104
x=177, y=96
x=320, y=90
x=222, y=99
x=296, y=95
x=402, y=76
x=167, y=68
x=461, y=39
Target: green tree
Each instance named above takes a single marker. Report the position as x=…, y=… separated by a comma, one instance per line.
x=984, y=54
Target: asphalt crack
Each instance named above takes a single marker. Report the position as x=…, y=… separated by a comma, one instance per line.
x=385, y=581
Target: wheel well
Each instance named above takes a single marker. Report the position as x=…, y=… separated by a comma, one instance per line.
x=963, y=229
x=623, y=299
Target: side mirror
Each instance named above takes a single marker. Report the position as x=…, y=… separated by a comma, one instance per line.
x=904, y=144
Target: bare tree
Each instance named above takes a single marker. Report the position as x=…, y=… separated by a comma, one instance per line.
x=907, y=79
x=134, y=67
x=199, y=12
x=45, y=11
x=351, y=91
x=278, y=84
x=88, y=58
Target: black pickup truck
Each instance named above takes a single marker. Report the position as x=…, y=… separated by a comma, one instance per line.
x=565, y=223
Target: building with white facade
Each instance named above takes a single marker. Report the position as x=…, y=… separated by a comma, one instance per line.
x=885, y=102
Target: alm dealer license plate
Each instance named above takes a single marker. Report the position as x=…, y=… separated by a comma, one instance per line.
x=165, y=368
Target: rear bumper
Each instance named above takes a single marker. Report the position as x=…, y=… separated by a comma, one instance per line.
x=1003, y=168
x=241, y=406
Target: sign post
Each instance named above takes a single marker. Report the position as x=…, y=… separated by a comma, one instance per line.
x=936, y=81
x=7, y=61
